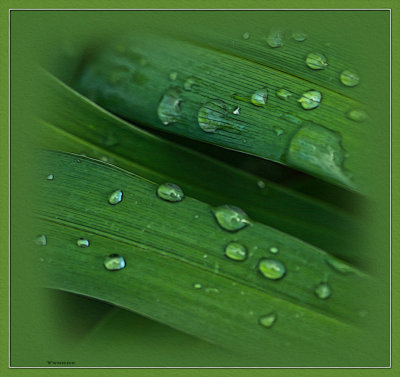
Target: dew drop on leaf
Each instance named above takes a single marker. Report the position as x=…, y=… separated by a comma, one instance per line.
x=170, y=192
x=246, y=35
x=272, y=269
x=310, y=99
x=230, y=218
x=274, y=250
x=169, y=108
x=50, y=177
x=315, y=60
x=275, y=38
x=259, y=97
x=357, y=115
x=114, y=262
x=268, y=320
x=41, y=240
x=115, y=197
x=323, y=291
x=236, y=251
x=283, y=94
x=82, y=242
x=349, y=78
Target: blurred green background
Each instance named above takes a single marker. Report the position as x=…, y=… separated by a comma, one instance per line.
x=54, y=326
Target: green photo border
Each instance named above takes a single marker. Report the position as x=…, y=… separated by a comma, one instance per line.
x=215, y=4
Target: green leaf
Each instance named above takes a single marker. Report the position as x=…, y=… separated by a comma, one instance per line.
x=71, y=123
x=176, y=269
x=194, y=90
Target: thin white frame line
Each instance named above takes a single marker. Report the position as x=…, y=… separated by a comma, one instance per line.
x=208, y=9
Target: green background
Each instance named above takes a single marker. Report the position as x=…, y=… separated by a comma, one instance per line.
x=32, y=29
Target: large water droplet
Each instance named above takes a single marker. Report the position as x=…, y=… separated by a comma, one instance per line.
x=357, y=115
x=236, y=251
x=82, y=242
x=170, y=192
x=169, y=108
x=323, y=291
x=230, y=218
x=268, y=320
x=213, y=116
x=315, y=60
x=41, y=240
x=115, y=197
x=275, y=38
x=310, y=100
x=259, y=97
x=50, y=177
x=283, y=94
x=349, y=78
x=114, y=262
x=272, y=269
x=318, y=150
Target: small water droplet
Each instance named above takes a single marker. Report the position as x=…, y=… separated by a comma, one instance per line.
x=114, y=262
x=315, y=60
x=189, y=83
x=83, y=242
x=236, y=251
x=212, y=290
x=275, y=38
x=41, y=240
x=244, y=141
x=274, y=250
x=299, y=36
x=197, y=286
x=205, y=256
x=278, y=131
x=50, y=177
x=318, y=150
x=246, y=35
x=323, y=291
x=268, y=320
x=236, y=111
x=349, y=78
x=272, y=269
x=339, y=265
x=261, y=184
x=169, y=108
x=259, y=97
x=310, y=100
x=357, y=115
x=173, y=76
x=230, y=218
x=41, y=259
x=115, y=197
x=213, y=115
x=170, y=192
x=283, y=94
x=196, y=216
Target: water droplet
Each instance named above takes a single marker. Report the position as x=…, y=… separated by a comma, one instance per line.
x=283, y=94
x=196, y=216
x=213, y=116
x=114, y=262
x=83, y=242
x=349, y=78
x=50, y=177
x=236, y=251
x=170, y=192
x=173, y=76
x=357, y=115
x=189, y=83
x=316, y=60
x=339, y=265
x=268, y=320
x=318, y=150
x=230, y=218
x=310, y=100
x=272, y=269
x=246, y=35
x=169, y=108
x=278, y=131
x=115, y=197
x=41, y=240
x=259, y=97
x=274, y=250
x=261, y=184
x=236, y=111
x=212, y=290
x=197, y=286
x=299, y=36
x=275, y=38
x=323, y=291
